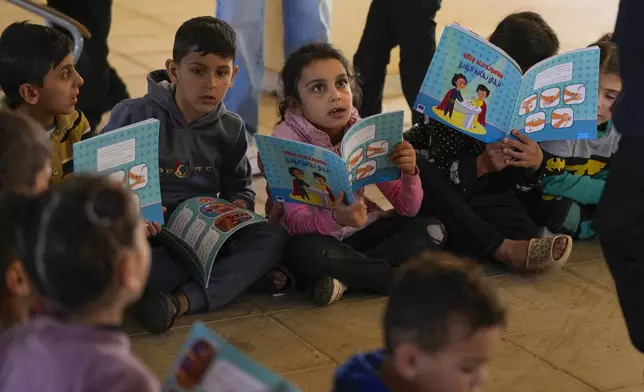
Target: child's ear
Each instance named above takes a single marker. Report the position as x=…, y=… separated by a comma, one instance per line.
x=129, y=272
x=232, y=79
x=16, y=280
x=405, y=361
x=173, y=70
x=29, y=93
x=294, y=105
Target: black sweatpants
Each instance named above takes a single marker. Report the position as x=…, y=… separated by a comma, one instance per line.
x=103, y=87
x=408, y=24
x=619, y=221
x=366, y=260
x=476, y=225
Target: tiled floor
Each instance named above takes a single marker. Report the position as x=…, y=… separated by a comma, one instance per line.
x=565, y=332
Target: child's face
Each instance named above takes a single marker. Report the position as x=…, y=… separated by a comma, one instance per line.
x=202, y=82
x=609, y=88
x=21, y=295
x=59, y=91
x=461, y=84
x=482, y=94
x=459, y=367
x=320, y=180
x=325, y=95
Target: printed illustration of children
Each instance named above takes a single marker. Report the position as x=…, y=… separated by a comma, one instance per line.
x=459, y=81
x=195, y=364
x=322, y=185
x=299, y=185
x=482, y=92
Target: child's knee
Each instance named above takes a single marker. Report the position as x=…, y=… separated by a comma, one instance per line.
x=433, y=229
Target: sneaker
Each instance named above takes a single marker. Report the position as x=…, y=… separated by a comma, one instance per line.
x=156, y=311
x=326, y=291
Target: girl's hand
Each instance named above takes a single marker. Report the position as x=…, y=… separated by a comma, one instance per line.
x=154, y=228
x=493, y=159
x=525, y=152
x=403, y=156
x=354, y=215
x=240, y=203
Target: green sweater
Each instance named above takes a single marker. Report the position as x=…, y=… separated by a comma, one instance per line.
x=577, y=169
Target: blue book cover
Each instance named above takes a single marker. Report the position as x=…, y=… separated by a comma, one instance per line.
x=478, y=89
x=129, y=155
x=207, y=363
x=302, y=173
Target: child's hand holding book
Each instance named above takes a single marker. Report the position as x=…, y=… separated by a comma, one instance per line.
x=354, y=215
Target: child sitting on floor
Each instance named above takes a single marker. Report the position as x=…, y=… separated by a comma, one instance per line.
x=86, y=250
x=202, y=152
x=576, y=170
x=356, y=245
x=440, y=326
x=38, y=78
x=472, y=186
x=24, y=170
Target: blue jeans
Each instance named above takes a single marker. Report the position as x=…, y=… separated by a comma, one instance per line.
x=305, y=21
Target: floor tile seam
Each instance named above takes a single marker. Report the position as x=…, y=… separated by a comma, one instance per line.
x=551, y=365
x=295, y=372
x=568, y=326
x=585, y=279
x=301, y=339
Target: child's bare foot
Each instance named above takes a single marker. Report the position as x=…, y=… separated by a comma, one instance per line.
x=537, y=255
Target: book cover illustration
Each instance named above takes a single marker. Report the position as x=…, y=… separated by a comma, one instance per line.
x=303, y=173
x=130, y=156
x=478, y=89
x=207, y=363
x=200, y=226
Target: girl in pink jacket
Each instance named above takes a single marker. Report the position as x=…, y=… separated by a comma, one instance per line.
x=357, y=245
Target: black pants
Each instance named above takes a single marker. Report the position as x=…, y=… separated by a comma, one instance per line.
x=103, y=87
x=619, y=221
x=367, y=260
x=408, y=24
x=476, y=225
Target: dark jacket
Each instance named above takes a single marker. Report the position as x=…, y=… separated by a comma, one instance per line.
x=361, y=373
x=205, y=157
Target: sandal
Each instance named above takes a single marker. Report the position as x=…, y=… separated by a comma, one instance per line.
x=540, y=255
x=157, y=311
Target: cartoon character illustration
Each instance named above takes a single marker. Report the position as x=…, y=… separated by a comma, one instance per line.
x=459, y=81
x=215, y=208
x=561, y=119
x=299, y=185
x=354, y=159
x=322, y=184
x=574, y=97
x=548, y=100
x=195, y=363
x=229, y=221
x=482, y=92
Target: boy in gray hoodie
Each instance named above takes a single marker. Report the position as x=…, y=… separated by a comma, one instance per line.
x=202, y=151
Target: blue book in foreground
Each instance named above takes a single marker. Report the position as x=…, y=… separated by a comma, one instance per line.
x=129, y=155
x=207, y=363
x=302, y=173
x=478, y=89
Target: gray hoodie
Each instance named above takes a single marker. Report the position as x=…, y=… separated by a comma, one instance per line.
x=205, y=157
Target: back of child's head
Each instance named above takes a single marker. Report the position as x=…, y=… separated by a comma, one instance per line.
x=608, y=55
x=77, y=237
x=526, y=37
x=441, y=324
x=24, y=154
x=302, y=58
x=205, y=35
x=27, y=53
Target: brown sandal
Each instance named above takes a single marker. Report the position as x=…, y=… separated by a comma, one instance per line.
x=540, y=255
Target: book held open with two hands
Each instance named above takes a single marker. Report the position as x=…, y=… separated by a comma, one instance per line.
x=298, y=172
x=479, y=90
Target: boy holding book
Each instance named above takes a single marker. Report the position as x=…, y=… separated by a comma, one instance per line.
x=38, y=78
x=440, y=326
x=202, y=151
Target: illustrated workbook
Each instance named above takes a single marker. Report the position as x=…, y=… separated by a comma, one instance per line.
x=303, y=173
x=199, y=227
x=478, y=89
x=129, y=155
x=207, y=363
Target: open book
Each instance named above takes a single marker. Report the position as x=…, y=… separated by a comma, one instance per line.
x=129, y=155
x=199, y=227
x=302, y=173
x=209, y=364
x=478, y=89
